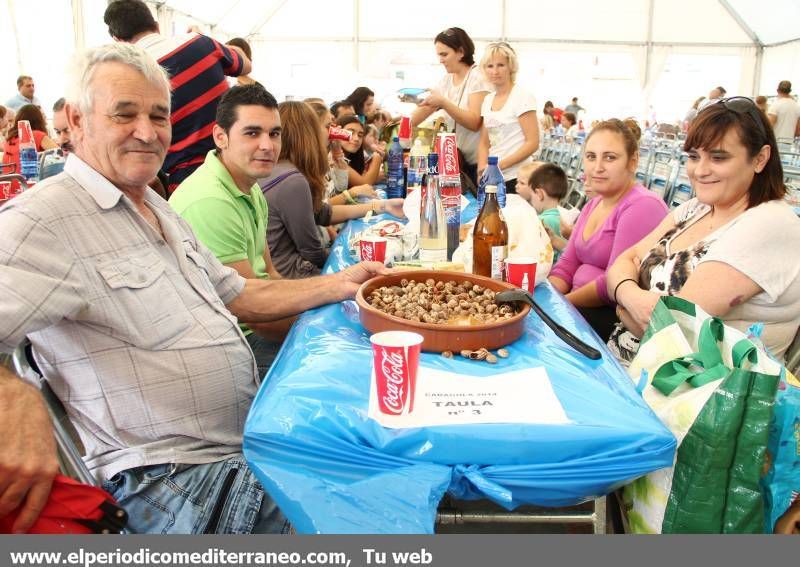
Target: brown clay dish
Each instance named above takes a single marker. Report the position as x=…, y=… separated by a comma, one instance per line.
x=438, y=338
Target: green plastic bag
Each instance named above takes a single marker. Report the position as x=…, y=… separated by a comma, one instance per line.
x=715, y=390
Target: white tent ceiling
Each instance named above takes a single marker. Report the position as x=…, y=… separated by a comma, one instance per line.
x=674, y=21
x=621, y=56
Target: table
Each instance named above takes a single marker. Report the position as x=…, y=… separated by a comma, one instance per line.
x=332, y=469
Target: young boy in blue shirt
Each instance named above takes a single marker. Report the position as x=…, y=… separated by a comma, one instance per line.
x=543, y=187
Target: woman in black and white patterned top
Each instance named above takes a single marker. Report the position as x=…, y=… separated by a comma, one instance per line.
x=732, y=250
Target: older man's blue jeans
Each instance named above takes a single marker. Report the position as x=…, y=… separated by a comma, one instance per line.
x=215, y=498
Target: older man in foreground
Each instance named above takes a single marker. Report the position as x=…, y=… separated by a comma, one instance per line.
x=134, y=322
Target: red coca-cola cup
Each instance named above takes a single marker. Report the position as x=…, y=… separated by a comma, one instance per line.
x=372, y=249
x=404, y=131
x=336, y=133
x=24, y=132
x=395, y=356
x=521, y=272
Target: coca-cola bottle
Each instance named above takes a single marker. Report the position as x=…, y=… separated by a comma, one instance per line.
x=490, y=238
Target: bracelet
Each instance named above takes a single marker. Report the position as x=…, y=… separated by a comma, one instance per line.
x=619, y=284
x=382, y=206
x=348, y=197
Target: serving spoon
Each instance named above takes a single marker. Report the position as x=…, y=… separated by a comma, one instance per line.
x=514, y=295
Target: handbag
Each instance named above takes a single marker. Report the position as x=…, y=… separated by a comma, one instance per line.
x=715, y=390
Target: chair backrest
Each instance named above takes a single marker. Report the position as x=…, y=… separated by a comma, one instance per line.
x=793, y=355
x=71, y=462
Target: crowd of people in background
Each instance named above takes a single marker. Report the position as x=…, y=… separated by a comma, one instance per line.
x=255, y=190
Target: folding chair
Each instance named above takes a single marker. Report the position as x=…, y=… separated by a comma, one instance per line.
x=793, y=355
x=680, y=187
x=484, y=515
x=643, y=169
x=72, y=464
x=6, y=182
x=661, y=172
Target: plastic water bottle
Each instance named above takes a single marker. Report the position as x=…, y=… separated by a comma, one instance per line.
x=492, y=176
x=417, y=165
x=28, y=159
x=395, y=186
x=433, y=226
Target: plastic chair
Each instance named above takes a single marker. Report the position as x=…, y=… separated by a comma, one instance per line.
x=793, y=355
x=7, y=182
x=661, y=171
x=72, y=464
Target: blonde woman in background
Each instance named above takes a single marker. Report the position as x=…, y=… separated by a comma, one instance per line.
x=510, y=130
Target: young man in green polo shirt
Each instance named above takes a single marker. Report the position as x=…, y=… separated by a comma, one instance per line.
x=224, y=205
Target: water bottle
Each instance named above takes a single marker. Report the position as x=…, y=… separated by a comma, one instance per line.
x=433, y=226
x=492, y=176
x=417, y=165
x=28, y=160
x=394, y=175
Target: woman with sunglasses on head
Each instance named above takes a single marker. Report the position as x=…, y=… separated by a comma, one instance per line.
x=619, y=215
x=459, y=94
x=360, y=171
x=732, y=249
x=510, y=129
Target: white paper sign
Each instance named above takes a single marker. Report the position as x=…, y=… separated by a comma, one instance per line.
x=446, y=398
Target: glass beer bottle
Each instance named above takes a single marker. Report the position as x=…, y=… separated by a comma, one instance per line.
x=490, y=238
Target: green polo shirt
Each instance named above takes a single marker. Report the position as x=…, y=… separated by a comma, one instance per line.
x=232, y=224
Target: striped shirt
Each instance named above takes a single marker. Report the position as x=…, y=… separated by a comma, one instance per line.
x=197, y=66
x=130, y=329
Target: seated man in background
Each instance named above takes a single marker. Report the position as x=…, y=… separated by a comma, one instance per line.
x=53, y=163
x=63, y=138
x=133, y=322
x=224, y=205
x=341, y=108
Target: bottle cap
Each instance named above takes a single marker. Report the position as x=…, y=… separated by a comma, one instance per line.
x=395, y=139
x=491, y=189
x=492, y=160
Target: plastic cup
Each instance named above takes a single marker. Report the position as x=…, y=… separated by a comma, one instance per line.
x=521, y=272
x=373, y=249
x=395, y=356
x=404, y=132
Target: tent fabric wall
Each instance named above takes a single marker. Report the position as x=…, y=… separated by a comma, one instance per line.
x=623, y=53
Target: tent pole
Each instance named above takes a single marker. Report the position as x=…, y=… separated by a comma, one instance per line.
x=503, y=22
x=13, y=17
x=649, y=45
x=356, y=34
x=648, y=55
x=78, y=24
x=757, y=69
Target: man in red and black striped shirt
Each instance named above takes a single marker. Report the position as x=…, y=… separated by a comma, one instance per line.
x=197, y=66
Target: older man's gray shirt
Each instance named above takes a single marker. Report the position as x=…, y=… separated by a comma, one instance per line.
x=130, y=330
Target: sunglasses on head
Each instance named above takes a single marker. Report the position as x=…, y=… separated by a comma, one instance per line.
x=499, y=44
x=743, y=105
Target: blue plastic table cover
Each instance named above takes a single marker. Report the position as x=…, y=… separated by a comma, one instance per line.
x=332, y=469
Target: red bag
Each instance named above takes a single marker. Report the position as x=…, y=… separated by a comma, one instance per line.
x=74, y=508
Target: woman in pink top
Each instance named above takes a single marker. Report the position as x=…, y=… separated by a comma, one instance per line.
x=620, y=215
